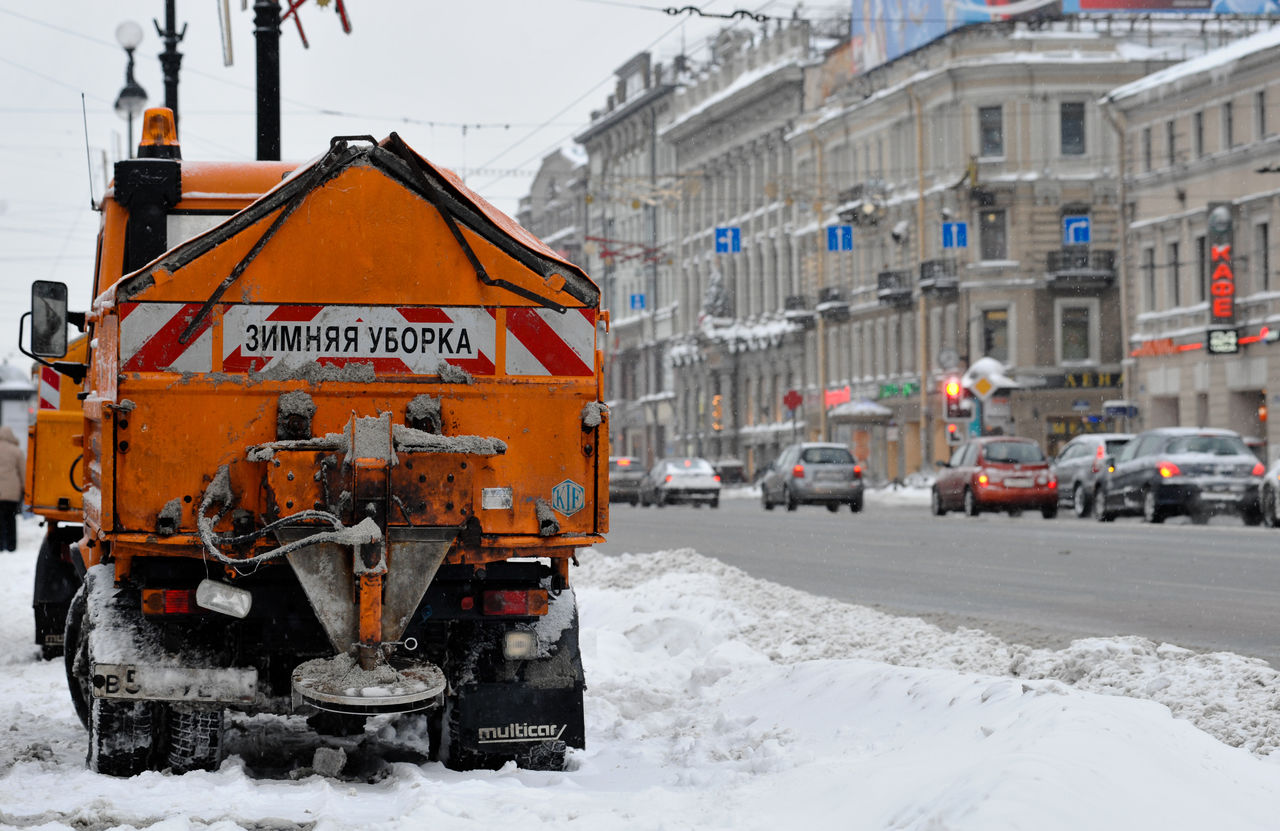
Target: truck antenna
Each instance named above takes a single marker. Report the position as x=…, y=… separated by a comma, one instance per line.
x=88, y=159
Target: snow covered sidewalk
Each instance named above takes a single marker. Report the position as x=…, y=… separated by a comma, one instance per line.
x=719, y=701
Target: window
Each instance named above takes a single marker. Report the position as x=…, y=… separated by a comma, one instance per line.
x=1175, y=276
x=991, y=228
x=1202, y=269
x=1262, y=257
x=1146, y=148
x=1260, y=112
x=1197, y=133
x=1228, y=126
x=995, y=334
x=991, y=126
x=1171, y=142
x=1078, y=330
x=1149, y=277
x=1072, y=128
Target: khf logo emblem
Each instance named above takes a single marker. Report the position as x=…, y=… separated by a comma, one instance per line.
x=568, y=497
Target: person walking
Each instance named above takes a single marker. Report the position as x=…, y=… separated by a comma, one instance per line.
x=12, y=472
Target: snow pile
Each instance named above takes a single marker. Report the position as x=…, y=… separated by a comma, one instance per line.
x=719, y=701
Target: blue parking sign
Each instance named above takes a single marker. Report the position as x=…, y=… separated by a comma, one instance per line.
x=728, y=239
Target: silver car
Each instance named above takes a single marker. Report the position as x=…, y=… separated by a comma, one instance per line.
x=813, y=473
x=688, y=479
x=1078, y=464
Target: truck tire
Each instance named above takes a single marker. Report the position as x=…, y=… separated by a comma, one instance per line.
x=76, y=655
x=55, y=584
x=121, y=735
x=195, y=740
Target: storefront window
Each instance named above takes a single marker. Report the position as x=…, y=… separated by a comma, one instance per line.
x=995, y=334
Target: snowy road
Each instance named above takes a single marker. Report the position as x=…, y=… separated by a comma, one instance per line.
x=719, y=701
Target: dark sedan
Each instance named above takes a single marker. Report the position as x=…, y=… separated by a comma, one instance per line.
x=1169, y=471
x=625, y=475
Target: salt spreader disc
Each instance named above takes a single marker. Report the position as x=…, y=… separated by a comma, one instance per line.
x=339, y=685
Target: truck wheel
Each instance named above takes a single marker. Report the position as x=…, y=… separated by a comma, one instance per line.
x=121, y=735
x=55, y=584
x=76, y=655
x=195, y=740
x=833, y=507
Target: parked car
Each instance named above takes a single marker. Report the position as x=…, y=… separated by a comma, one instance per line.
x=1269, y=496
x=687, y=479
x=732, y=471
x=813, y=473
x=1181, y=470
x=1078, y=464
x=625, y=475
x=996, y=473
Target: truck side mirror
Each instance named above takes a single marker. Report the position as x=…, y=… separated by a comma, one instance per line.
x=48, y=319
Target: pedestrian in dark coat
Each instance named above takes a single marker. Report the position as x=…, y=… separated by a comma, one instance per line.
x=12, y=473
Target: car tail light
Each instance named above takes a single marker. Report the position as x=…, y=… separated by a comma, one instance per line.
x=716, y=477
x=1053, y=481
x=982, y=478
x=669, y=478
x=1098, y=457
x=857, y=471
x=515, y=602
x=169, y=602
x=1259, y=470
x=797, y=472
x=1168, y=469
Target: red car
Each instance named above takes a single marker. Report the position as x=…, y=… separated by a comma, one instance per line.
x=996, y=473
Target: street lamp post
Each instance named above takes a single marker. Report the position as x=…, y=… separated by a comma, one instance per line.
x=132, y=98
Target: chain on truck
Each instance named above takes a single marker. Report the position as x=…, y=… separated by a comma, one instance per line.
x=327, y=445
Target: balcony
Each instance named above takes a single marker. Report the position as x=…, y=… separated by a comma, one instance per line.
x=893, y=288
x=938, y=276
x=832, y=305
x=1081, y=268
x=796, y=309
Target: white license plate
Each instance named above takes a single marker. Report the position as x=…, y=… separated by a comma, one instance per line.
x=139, y=681
x=830, y=475
x=1017, y=483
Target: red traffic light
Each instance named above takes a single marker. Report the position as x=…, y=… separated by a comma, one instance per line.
x=952, y=387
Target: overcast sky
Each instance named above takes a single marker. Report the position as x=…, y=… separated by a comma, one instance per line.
x=522, y=75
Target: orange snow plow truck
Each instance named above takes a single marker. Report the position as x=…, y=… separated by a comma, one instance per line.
x=342, y=435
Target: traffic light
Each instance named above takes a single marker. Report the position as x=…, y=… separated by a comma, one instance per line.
x=955, y=434
x=956, y=404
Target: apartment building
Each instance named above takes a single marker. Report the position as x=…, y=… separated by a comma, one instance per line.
x=1202, y=182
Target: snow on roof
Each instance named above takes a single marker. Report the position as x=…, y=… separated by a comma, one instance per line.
x=1218, y=60
x=742, y=82
x=574, y=152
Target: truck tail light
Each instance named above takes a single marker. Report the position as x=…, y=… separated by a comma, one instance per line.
x=169, y=602
x=515, y=602
x=1168, y=469
x=857, y=471
x=797, y=472
x=1259, y=470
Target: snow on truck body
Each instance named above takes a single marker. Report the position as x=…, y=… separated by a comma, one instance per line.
x=359, y=418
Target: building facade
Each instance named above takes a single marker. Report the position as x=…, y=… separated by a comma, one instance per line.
x=1201, y=137
x=790, y=248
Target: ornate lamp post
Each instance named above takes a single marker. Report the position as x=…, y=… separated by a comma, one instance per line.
x=132, y=98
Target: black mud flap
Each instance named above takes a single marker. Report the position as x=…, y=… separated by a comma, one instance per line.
x=504, y=719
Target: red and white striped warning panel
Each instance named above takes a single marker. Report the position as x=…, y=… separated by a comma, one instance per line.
x=410, y=340
x=50, y=385
x=546, y=342
x=256, y=338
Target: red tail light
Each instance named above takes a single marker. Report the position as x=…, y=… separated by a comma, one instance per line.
x=1168, y=469
x=1053, y=482
x=797, y=472
x=169, y=602
x=669, y=478
x=857, y=471
x=716, y=477
x=1097, y=459
x=1259, y=470
x=982, y=478
x=515, y=602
